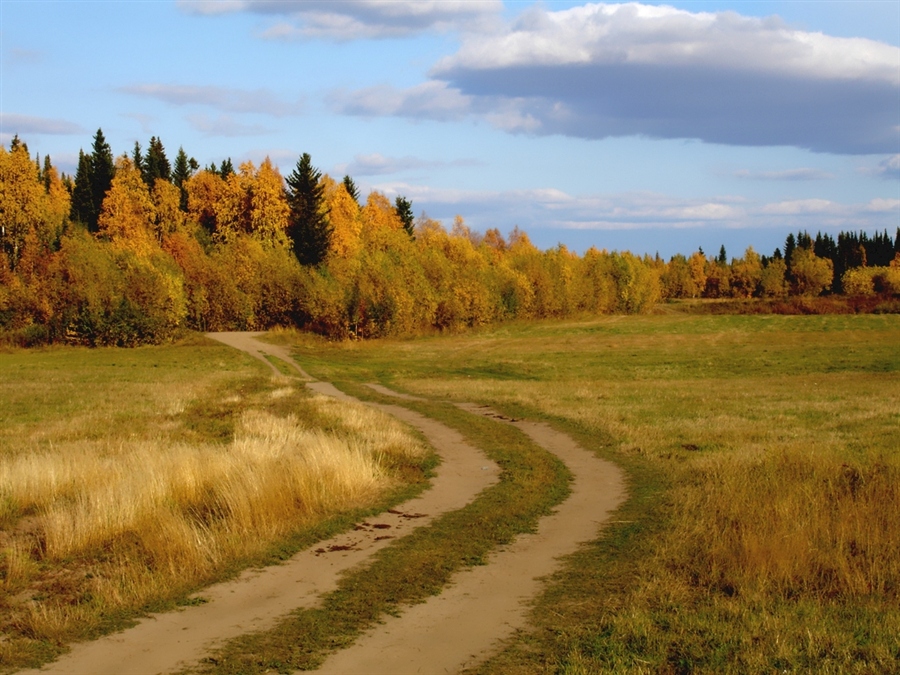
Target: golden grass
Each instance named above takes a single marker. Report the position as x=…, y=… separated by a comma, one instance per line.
x=99, y=524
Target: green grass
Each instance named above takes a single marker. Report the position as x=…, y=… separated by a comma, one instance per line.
x=764, y=466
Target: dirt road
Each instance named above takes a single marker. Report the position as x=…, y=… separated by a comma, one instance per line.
x=456, y=629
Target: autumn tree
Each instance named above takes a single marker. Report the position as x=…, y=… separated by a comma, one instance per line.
x=811, y=274
x=343, y=214
x=128, y=213
x=309, y=228
x=746, y=274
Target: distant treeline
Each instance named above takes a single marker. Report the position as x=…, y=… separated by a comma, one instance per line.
x=132, y=250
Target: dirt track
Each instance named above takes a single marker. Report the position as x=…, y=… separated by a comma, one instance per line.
x=451, y=631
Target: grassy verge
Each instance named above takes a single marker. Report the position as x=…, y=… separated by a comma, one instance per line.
x=131, y=478
x=771, y=543
x=420, y=564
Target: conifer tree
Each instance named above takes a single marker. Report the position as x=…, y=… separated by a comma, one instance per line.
x=404, y=211
x=351, y=188
x=226, y=169
x=103, y=170
x=723, y=257
x=137, y=157
x=309, y=228
x=183, y=170
x=156, y=164
x=82, y=209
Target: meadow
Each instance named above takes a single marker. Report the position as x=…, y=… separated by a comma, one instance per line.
x=130, y=478
x=764, y=462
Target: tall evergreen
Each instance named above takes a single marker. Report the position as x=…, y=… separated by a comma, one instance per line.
x=82, y=209
x=137, y=157
x=183, y=170
x=103, y=169
x=723, y=257
x=45, y=173
x=351, y=188
x=404, y=211
x=226, y=169
x=308, y=227
x=156, y=164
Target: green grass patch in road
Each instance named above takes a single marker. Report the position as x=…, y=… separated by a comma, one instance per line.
x=420, y=564
x=764, y=465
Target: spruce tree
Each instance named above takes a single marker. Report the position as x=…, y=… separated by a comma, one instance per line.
x=183, y=170
x=226, y=169
x=82, y=209
x=723, y=257
x=137, y=157
x=351, y=188
x=103, y=169
x=156, y=164
x=404, y=211
x=308, y=227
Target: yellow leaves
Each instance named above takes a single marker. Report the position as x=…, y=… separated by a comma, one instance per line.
x=250, y=201
x=205, y=189
x=168, y=217
x=344, y=215
x=378, y=216
x=128, y=214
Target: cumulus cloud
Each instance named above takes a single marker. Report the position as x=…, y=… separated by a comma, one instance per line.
x=27, y=124
x=890, y=167
x=376, y=164
x=601, y=70
x=261, y=101
x=355, y=19
x=787, y=174
x=224, y=125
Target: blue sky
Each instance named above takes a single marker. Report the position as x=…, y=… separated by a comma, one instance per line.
x=647, y=126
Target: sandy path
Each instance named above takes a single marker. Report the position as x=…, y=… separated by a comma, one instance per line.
x=463, y=625
x=258, y=598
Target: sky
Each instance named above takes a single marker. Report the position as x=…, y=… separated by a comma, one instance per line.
x=650, y=127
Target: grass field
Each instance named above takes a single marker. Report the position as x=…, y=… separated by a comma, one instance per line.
x=765, y=468
x=760, y=534
x=130, y=478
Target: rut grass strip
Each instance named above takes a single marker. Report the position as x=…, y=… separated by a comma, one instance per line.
x=419, y=565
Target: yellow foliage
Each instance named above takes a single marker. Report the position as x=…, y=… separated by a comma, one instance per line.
x=128, y=214
x=378, y=214
x=167, y=203
x=344, y=215
x=204, y=189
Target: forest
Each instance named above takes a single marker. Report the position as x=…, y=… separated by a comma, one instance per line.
x=134, y=249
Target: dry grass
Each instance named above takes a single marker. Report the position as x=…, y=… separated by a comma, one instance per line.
x=101, y=525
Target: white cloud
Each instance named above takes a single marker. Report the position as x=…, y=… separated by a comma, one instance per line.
x=12, y=124
x=224, y=125
x=802, y=206
x=786, y=175
x=356, y=19
x=890, y=167
x=430, y=100
x=884, y=205
x=376, y=164
x=599, y=70
x=260, y=101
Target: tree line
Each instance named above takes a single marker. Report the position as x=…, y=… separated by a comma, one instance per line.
x=133, y=249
